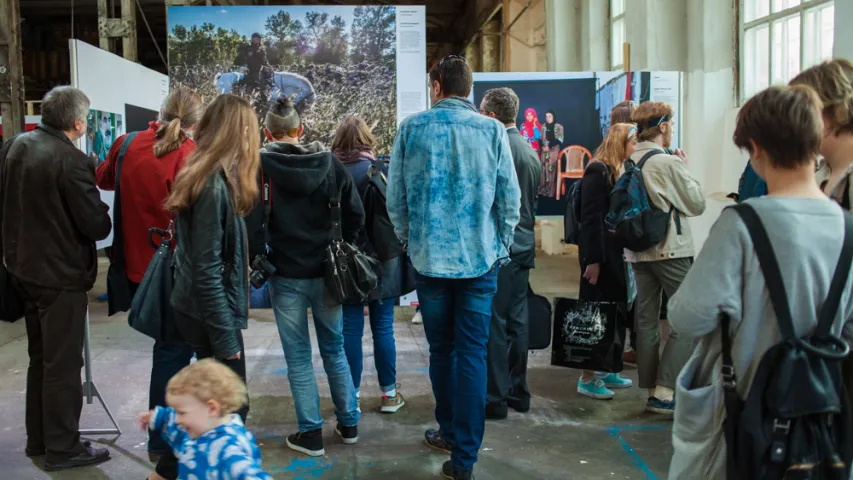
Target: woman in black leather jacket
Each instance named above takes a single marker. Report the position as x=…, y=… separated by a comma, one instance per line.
x=215, y=189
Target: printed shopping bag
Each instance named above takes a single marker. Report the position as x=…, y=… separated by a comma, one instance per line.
x=588, y=335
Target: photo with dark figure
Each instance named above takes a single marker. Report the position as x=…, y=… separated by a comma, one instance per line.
x=331, y=60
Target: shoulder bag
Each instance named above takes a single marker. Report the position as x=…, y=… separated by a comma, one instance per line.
x=119, y=297
x=350, y=274
x=12, y=306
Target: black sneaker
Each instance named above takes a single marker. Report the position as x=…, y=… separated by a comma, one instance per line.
x=90, y=456
x=433, y=439
x=453, y=473
x=520, y=406
x=348, y=434
x=309, y=443
x=495, y=411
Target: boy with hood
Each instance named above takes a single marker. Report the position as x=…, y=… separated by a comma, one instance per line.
x=299, y=228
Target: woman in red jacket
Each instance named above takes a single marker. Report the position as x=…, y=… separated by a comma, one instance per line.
x=148, y=171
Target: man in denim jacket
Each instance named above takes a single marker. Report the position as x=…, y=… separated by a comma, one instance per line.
x=453, y=197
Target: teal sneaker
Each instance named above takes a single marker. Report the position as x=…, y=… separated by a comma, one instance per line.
x=594, y=388
x=613, y=380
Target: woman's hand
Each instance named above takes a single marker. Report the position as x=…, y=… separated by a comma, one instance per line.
x=143, y=420
x=591, y=273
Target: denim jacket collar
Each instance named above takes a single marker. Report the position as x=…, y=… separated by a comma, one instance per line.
x=455, y=103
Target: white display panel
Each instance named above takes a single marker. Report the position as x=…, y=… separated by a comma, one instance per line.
x=111, y=82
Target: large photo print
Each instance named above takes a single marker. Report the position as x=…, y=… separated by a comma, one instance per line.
x=330, y=61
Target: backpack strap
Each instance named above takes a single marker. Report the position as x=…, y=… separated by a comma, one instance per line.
x=839, y=282
x=334, y=204
x=769, y=267
x=266, y=197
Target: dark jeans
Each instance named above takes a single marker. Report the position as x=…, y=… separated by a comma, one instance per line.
x=193, y=330
x=508, y=338
x=384, y=348
x=56, y=323
x=456, y=316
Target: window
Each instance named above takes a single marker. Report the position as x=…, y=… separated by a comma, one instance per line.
x=617, y=33
x=780, y=38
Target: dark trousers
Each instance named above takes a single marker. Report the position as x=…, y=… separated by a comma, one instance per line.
x=56, y=323
x=508, y=339
x=456, y=322
x=195, y=333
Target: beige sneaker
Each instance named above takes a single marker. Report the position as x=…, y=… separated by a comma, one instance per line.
x=392, y=404
x=418, y=319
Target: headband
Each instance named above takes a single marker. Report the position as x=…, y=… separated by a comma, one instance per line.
x=653, y=123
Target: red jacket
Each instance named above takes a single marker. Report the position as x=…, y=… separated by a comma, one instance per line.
x=145, y=184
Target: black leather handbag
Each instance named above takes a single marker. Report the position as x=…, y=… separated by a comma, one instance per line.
x=350, y=274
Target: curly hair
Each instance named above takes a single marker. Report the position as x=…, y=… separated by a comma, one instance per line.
x=210, y=380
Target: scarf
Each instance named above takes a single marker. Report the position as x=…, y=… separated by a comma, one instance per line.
x=352, y=156
x=551, y=133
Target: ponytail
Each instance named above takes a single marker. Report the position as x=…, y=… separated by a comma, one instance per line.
x=182, y=109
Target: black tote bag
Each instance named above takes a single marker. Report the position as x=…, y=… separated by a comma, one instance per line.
x=151, y=312
x=12, y=306
x=588, y=335
x=539, y=320
x=118, y=286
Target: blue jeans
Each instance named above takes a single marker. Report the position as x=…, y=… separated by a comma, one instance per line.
x=291, y=299
x=168, y=358
x=456, y=322
x=384, y=348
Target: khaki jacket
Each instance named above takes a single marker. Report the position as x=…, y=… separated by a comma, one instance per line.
x=669, y=185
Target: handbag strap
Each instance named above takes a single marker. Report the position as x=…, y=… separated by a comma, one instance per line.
x=769, y=267
x=334, y=204
x=839, y=282
x=117, y=253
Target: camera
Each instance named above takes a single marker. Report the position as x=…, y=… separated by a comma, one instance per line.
x=262, y=270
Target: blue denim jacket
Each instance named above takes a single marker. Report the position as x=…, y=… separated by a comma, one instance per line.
x=453, y=193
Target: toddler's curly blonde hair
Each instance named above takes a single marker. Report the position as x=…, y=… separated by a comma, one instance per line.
x=210, y=380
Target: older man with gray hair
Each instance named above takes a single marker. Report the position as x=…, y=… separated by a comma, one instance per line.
x=51, y=215
x=508, y=337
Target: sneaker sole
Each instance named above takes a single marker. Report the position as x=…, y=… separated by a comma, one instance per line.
x=619, y=386
x=438, y=449
x=347, y=441
x=451, y=477
x=311, y=453
x=661, y=411
x=56, y=468
x=393, y=408
x=596, y=396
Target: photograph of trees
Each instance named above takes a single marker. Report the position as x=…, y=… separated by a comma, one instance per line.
x=346, y=53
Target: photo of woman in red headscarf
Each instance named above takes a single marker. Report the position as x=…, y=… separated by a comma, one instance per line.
x=532, y=129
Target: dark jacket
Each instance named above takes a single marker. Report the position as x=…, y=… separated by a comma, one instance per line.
x=528, y=169
x=392, y=281
x=300, y=223
x=212, y=285
x=51, y=211
x=596, y=244
x=252, y=56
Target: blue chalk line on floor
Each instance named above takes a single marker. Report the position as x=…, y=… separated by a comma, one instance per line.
x=614, y=432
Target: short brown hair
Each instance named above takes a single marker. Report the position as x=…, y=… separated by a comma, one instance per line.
x=351, y=134
x=210, y=380
x=785, y=122
x=622, y=111
x=648, y=117
x=833, y=82
x=454, y=75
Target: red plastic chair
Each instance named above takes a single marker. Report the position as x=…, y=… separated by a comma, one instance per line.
x=576, y=157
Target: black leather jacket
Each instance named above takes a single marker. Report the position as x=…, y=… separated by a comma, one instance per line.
x=51, y=211
x=211, y=267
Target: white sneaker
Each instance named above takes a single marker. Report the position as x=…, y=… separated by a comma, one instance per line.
x=418, y=318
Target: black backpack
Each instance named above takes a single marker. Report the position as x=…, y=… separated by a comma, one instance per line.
x=636, y=223
x=572, y=217
x=796, y=420
x=540, y=319
x=377, y=224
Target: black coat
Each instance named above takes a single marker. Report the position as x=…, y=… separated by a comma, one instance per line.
x=300, y=223
x=596, y=244
x=51, y=211
x=211, y=266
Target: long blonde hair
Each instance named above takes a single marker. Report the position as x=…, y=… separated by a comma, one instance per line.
x=613, y=149
x=181, y=110
x=228, y=140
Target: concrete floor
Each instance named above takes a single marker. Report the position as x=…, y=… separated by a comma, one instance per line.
x=564, y=436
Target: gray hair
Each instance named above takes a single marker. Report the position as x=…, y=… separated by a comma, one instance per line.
x=503, y=102
x=62, y=106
